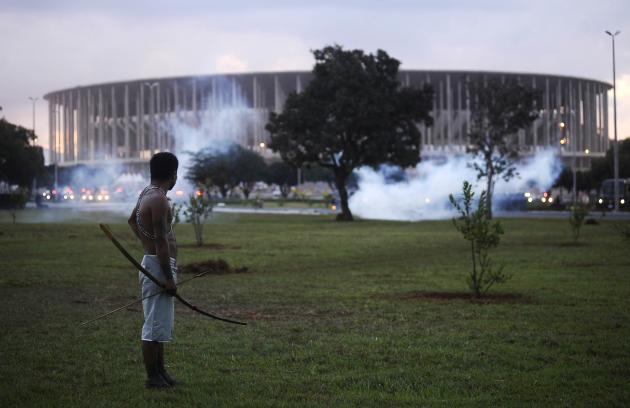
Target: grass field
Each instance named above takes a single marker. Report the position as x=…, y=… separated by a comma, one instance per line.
x=338, y=315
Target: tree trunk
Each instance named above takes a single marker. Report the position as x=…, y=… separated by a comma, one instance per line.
x=340, y=181
x=489, y=188
x=285, y=189
x=246, y=190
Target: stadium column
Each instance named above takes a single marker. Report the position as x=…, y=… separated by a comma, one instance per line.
x=101, y=123
x=127, y=124
x=176, y=100
x=158, y=118
x=255, y=106
x=468, y=113
x=80, y=132
x=90, y=124
x=168, y=115
x=588, y=119
x=558, y=108
x=600, y=123
x=114, y=124
x=59, y=129
x=581, y=110
x=51, y=131
x=449, y=113
x=520, y=132
x=606, y=141
x=460, y=132
x=140, y=114
x=194, y=102
x=64, y=118
x=534, y=127
x=276, y=94
x=70, y=117
x=547, y=113
x=593, y=134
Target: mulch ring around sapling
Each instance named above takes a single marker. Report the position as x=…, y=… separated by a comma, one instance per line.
x=213, y=266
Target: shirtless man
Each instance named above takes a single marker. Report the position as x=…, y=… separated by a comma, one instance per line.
x=151, y=221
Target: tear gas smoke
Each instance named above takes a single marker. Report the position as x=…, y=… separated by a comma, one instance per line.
x=226, y=119
x=423, y=194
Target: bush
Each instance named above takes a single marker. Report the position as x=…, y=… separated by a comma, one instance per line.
x=483, y=235
x=176, y=211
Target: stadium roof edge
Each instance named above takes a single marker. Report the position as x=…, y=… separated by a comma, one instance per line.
x=304, y=72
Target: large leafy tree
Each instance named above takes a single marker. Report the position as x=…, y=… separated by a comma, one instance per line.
x=499, y=109
x=227, y=169
x=353, y=113
x=20, y=160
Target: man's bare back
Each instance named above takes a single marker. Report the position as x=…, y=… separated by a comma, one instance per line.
x=151, y=221
x=152, y=206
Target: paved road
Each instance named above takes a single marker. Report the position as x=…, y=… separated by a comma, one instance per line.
x=125, y=208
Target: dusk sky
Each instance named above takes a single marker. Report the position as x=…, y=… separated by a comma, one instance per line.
x=47, y=46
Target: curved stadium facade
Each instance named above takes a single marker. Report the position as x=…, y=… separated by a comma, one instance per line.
x=127, y=122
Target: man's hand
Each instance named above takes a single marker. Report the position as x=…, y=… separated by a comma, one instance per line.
x=170, y=287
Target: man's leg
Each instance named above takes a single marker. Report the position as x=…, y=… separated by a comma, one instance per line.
x=151, y=355
x=170, y=380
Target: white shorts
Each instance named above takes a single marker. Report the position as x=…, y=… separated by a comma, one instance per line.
x=159, y=310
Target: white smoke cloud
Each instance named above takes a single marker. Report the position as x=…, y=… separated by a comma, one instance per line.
x=226, y=118
x=424, y=194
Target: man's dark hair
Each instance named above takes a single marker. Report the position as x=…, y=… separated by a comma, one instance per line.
x=163, y=165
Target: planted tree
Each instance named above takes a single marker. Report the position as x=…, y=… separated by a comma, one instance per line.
x=499, y=109
x=198, y=208
x=576, y=219
x=483, y=235
x=353, y=113
x=176, y=212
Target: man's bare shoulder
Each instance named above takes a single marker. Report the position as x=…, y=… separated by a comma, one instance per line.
x=157, y=201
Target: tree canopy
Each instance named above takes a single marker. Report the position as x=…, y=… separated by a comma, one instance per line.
x=353, y=113
x=227, y=169
x=282, y=174
x=20, y=160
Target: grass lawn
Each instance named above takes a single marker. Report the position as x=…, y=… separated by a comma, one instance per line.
x=338, y=316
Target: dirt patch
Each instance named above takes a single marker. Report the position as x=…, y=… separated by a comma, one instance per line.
x=209, y=245
x=487, y=298
x=214, y=266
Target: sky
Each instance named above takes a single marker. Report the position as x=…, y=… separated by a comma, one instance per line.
x=51, y=45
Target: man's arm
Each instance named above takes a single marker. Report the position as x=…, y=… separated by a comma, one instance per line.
x=133, y=224
x=159, y=214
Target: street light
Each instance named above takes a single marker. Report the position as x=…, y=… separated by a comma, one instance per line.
x=616, y=145
x=33, y=100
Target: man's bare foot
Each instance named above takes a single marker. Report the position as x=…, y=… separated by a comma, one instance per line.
x=156, y=383
x=170, y=380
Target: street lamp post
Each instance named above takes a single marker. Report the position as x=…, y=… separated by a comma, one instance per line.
x=33, y=100
x=616, y=145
